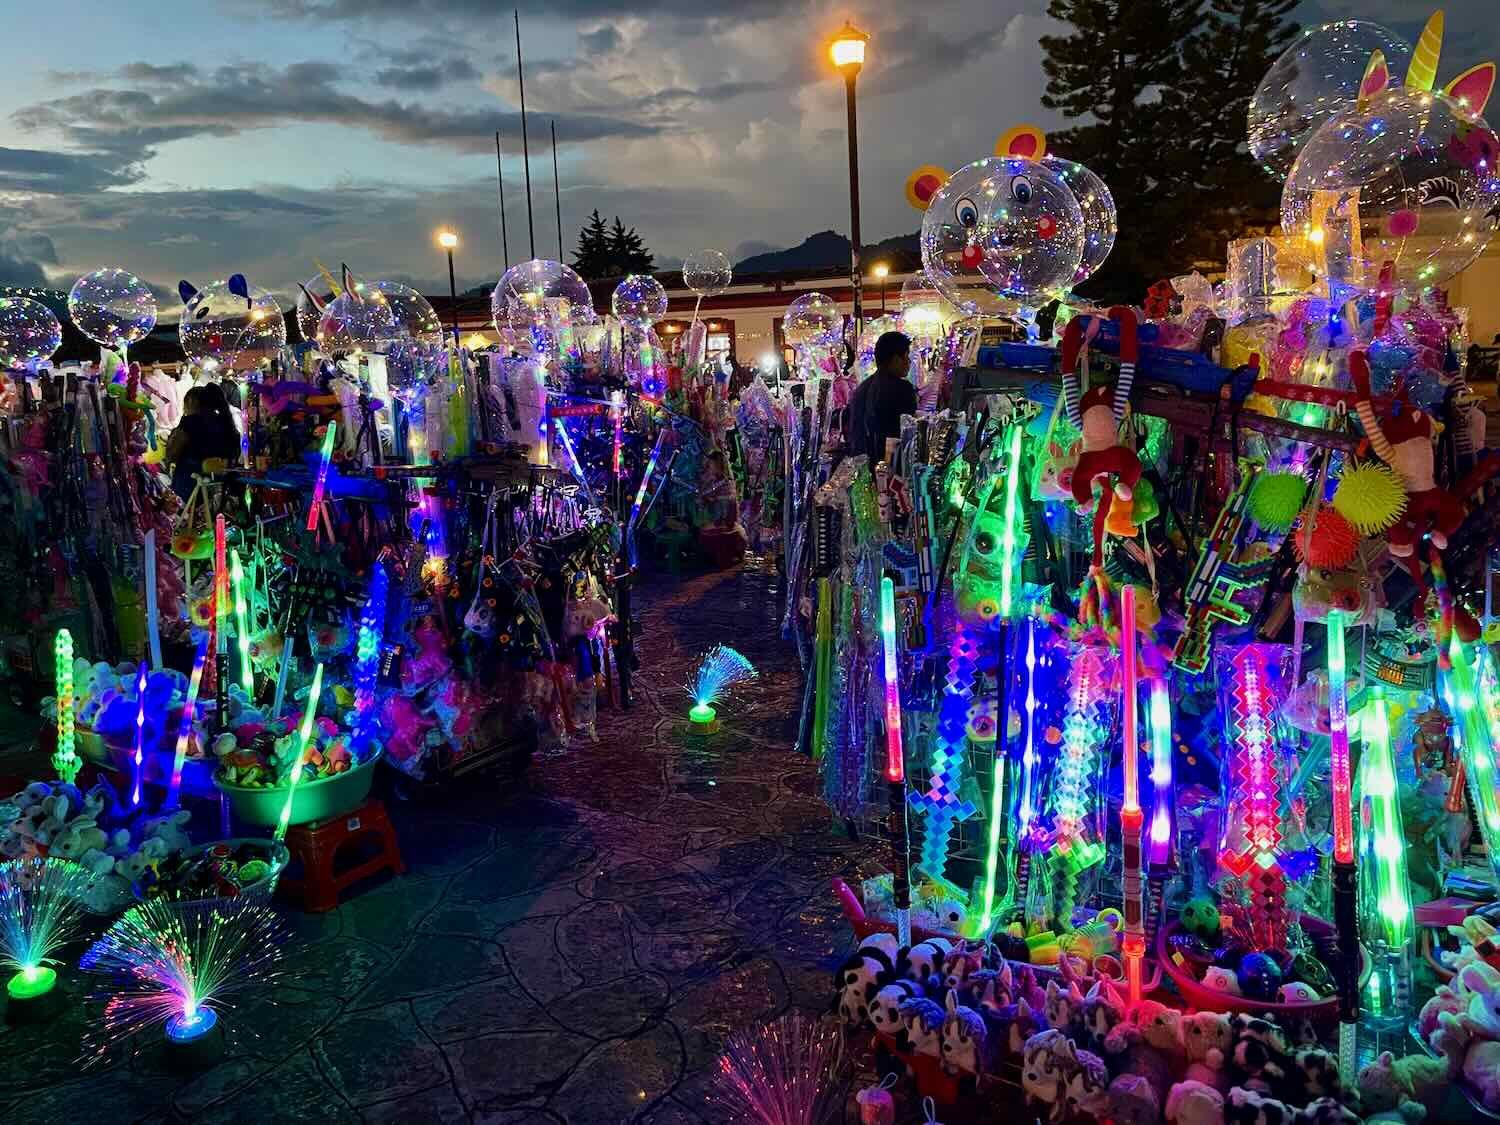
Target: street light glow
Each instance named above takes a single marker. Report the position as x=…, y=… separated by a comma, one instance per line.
x=881, y=270
x=848, y=47
x=447, y=239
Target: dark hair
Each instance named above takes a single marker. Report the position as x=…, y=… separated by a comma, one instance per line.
x=889, y=346
x=211, y=399
x=231, y=391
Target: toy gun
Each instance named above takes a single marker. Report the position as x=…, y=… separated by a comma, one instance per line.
x=1215, y=581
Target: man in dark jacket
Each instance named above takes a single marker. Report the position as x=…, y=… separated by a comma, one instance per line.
x=878, y=403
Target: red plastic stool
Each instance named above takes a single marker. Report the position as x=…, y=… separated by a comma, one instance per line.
x=317, y=845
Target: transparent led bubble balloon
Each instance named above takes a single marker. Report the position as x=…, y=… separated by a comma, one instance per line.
x=1100, y=223
x=813, y=320
x=639, y=301
x=707, y=273
x=540, y=294
x=112, y=307
x=952, y=240
x=1031, y=232
x=222, y=331
x=414, y=316
x=1407, y=185
x=310, y=308
x=1315, y=79
x=355, y=322
x=864, y=352
x=28, y=331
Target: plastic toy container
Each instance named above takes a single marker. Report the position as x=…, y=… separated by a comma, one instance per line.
x=314, y=800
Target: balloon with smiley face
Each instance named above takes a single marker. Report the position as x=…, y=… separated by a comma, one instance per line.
x=1001, y=233
x=1033, y=232
x=1399, y=192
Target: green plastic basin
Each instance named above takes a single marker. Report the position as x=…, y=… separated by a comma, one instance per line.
x=315, y=800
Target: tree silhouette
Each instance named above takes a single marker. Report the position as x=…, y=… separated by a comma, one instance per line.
x=1159, y=91
x=592, y=258
x=627, y=251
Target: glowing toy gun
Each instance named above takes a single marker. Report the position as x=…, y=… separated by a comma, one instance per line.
x=1216, y=580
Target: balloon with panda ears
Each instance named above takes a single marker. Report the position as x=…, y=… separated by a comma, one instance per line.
x=229, y=326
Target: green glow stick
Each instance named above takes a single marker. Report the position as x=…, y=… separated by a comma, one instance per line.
x=304, y=735
x=242, y=625
x=1385, y=899
x=1010, y=540
x=1476, y=749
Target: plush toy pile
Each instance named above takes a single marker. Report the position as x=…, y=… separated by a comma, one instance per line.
x=965, y=1024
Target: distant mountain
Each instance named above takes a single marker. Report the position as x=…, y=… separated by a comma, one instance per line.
x=830, y=250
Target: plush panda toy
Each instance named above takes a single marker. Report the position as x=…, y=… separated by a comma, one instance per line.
x=885, y=1009
x=924, y=960
x=865, y=971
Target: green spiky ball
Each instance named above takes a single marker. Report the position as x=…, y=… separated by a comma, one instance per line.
x=1276, y=498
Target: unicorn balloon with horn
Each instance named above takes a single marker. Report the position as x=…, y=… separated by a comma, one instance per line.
x=1400, y=192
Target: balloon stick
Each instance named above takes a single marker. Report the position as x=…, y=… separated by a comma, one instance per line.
x=304, y=735
x=185, y=725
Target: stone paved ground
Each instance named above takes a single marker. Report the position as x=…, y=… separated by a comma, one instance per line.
x=574, y=954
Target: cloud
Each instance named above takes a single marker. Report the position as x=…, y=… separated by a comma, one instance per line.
x=485, y=9
x=237, y=98
x=427, y=76
x=64, y=173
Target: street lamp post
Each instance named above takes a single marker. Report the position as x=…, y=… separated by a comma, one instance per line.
x=448, y=240
x=848, y=53
x=882, y=271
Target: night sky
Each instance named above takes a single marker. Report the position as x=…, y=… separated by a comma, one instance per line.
x=197, y=139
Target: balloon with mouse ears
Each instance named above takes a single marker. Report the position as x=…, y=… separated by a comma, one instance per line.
x=1011, y=231
x=229, y=325
x=1400, y=191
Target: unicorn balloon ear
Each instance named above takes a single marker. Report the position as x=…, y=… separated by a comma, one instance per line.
x=1424, y=59
x=311, y=299
x=186, y=291
x=239, y=287
x=923, y=184
x=1377, y=78
x=1473, y=87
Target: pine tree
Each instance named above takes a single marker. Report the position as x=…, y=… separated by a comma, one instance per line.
x=592, y=259
x=1221, y=189
x=1109, y=73
x=627, y=251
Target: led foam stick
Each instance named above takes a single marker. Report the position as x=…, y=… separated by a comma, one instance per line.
x=1338, y=742
x=1026, y=811
x=1131, y=817
x=1074, y=782
x=1345, y=888
x=941, y=802
x=640, y=493
x=242, y=626
x=140, y=735
x=567, y=444
x=185, y=725
x=1476, y=748
x=1159, y=838
x=325, y=456
x=304, y=735
x=895, y=768
x=153, y=629
x=1251, y=693
x=1010, y=546
x=617, y=411
x=367, y=654
x=1385, y=917
x=823, y=661
x=65, y=758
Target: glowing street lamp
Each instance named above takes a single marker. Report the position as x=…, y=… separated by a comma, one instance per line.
x=847, y=50
x=449, y=241
x=882, y=271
